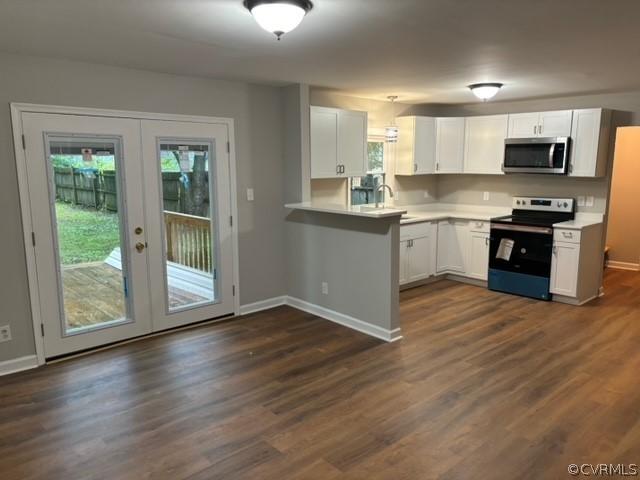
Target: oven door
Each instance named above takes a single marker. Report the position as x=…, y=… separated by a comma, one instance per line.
x=520, y=260
x=536, y=155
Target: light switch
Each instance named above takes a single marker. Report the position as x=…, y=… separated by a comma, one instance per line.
x=581, y=200
x=485, y=196
x=590, y=201
x=250, y=194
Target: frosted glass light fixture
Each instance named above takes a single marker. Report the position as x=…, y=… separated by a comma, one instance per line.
x=485, y=91
x=391, y=130
x=278, y=16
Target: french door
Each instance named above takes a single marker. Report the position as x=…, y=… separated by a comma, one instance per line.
x=131, y=223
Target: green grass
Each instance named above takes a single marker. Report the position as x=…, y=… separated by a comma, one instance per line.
x=84, y=234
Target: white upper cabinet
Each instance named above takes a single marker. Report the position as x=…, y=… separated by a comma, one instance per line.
x=352, y=143
x=484, y=144
x=338, y=142
x=415, y=152
x=523, y=125
x=589, y=151
x=324, y=142
x=555, y=124
x=540, y=124
x=450, y=145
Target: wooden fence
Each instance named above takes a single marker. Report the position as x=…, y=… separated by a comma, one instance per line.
x=188, y=240
x=93, y=188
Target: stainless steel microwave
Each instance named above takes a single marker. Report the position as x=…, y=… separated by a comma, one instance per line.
x=536, y=155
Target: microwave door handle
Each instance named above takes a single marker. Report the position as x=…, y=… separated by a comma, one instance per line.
x=552, y=152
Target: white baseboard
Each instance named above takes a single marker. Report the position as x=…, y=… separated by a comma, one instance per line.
x=345, y=320
x=18, y=364
x=623, y=265
x=263, y=305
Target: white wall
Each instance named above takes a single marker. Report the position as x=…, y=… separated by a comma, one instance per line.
x=258, y=115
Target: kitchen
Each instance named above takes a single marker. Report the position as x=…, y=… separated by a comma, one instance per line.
x=513, y=201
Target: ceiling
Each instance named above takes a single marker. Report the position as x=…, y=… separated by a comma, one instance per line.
x=425, y=51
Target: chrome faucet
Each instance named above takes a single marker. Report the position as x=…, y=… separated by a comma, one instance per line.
x=380, y=187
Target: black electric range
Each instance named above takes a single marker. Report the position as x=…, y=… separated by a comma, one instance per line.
x=521, y=245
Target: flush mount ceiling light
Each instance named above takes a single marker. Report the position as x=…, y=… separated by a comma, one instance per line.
x=485, y=91
x=278, y=16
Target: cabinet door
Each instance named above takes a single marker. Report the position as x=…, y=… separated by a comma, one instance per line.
x=564, y=268
x=478, y=261
x=444, y=239
x=588, y=155
x=458, y=246
x=324, y=142
x=425, y=145
x=523, y=125
x=449, y=145
x=352, y=143
x=555, y=124
x=404, y=262
x=420, y=258
x=484, y=144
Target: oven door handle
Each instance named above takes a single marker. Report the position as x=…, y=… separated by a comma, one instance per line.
x=522, y=228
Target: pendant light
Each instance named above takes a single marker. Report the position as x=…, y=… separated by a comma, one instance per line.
x=485, y=91
x=278, y=16
x=391, y=131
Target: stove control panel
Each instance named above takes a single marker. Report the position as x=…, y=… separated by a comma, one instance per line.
x=542, y=204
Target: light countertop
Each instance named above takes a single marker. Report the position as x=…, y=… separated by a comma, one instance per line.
x=439, y=211
x=435, y=211
x=582, y=220
x=355, y=210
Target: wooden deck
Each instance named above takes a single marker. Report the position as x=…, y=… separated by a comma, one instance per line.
x=483, y=386
x=93, y=294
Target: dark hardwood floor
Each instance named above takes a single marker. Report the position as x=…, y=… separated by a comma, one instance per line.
x=483, y=386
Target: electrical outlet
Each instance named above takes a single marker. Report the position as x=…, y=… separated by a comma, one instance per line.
x=590, y=201
x=581, y=200
x=426, y=194
x=325, y=288
x=485, y=196
x=250, y=194
x=5, y=333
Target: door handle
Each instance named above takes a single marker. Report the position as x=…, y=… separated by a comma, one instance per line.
x=140, y=247
x=535, y=129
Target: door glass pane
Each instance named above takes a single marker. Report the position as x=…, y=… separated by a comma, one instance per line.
x=189, y=236
x=88, y=224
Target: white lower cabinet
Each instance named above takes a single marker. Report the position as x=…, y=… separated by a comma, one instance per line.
x=564, y=269
x=452, y=239
x=459, y=247
x=417, y=251
x=404, y=262
x=478, y=260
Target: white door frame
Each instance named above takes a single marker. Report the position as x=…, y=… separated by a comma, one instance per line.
x=17, y=109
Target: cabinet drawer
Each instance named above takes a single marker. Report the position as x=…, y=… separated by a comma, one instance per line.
x=415, y=230
x=480, y=226
x=565, y=235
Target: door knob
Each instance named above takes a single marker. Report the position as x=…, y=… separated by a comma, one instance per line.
x=140, y=247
